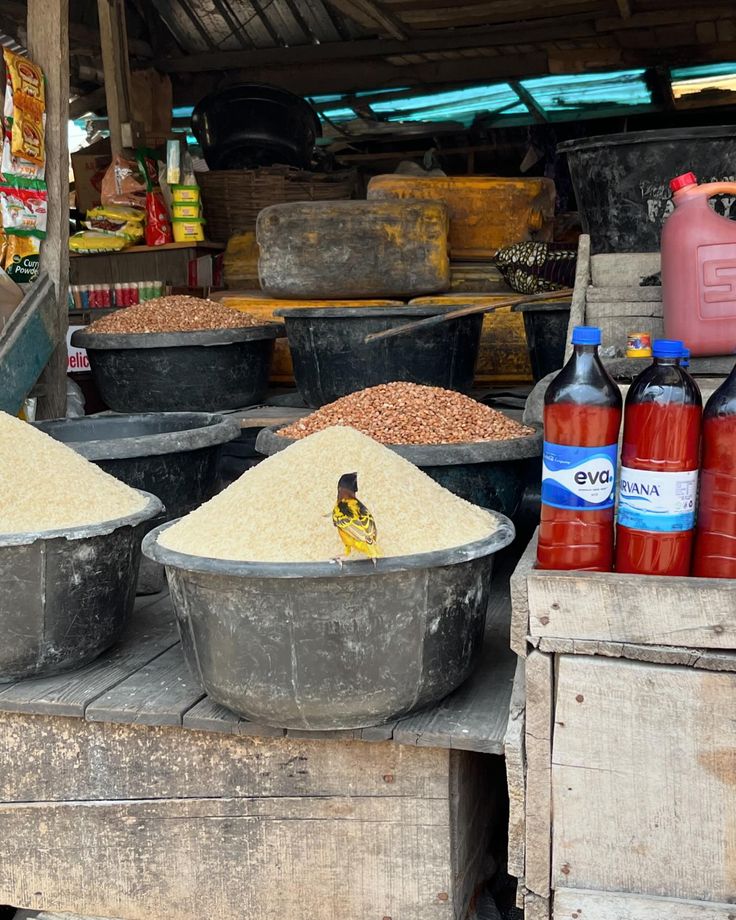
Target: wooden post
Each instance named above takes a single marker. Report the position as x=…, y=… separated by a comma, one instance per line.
x=115, y=65
x=48, y=46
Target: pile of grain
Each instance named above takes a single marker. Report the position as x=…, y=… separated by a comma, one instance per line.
x=177, y=313
x=45, y=485
x=279, y=511
x=405, y=413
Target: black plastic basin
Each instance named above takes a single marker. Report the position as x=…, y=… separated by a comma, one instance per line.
x=66, y=595
x=181, y=371
x=545, y=325
x=171, y=455
x=318, y=646
x=492, y=474
x=331, y=358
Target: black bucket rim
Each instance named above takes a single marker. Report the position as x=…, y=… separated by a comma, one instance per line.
x=497, y=540
x=153, y=507
x=645, y=137
x=216, y=428
x=417, y=310
x=269, y=442
x=543, y=306
x=116, y=341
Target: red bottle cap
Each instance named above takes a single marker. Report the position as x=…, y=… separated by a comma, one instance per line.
x=683, y=181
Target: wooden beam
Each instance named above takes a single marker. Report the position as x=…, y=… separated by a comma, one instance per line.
x=543, y=30
x=92, y=102
x=537, y=112
x=624, y=7
x=115, y=63
x=371, y=14
x=48, y=46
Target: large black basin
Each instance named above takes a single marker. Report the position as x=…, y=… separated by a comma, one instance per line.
x=65, y=595
x=319, y=646
x=181, y=371
x=545, y=325
x=172, y=455
x=331, y=358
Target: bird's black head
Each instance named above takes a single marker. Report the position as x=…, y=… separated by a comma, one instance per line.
x=348, y=483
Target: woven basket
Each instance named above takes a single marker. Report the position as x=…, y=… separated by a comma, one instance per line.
x=232, y=199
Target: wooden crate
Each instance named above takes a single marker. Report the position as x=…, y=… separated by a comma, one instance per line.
x=622, y=746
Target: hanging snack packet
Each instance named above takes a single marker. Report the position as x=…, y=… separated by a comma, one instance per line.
x=123, y=184
x=117, y=220
x=20, y=260
x=25, y=78
x=27, y=136
x=158, y=223
x=24, y=207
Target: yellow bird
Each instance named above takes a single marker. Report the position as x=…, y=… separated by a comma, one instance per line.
x=353, y=520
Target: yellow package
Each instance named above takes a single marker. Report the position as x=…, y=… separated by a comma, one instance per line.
x=26, y=78
x=20, y=260
x=117, y=220
x=27, y=136
x=118, y=213
x=89, y=241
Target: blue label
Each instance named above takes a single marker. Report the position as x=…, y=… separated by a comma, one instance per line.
x=583, y=478
x=657, y=502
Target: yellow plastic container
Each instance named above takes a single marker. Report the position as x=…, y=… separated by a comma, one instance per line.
x=503, y=357
x=486, y=212
x=185, y=194
x=258, y=304
x=188, y=229
x=188, y=210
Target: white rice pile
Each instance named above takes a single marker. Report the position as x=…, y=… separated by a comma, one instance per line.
x=280, y=511
x=45, y=485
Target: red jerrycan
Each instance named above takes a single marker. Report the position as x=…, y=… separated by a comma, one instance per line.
x=699, y=269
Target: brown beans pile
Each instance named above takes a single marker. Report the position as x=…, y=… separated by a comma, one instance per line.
x=176, y=313
x=405, y=413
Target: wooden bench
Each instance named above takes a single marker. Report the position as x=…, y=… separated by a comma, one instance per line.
x=127, y=793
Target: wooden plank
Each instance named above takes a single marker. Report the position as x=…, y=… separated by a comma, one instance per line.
x=157, y=694
x=116, y=67
x=520, y=598
x=538, y=743
x=52, y=759
x=475, y=785
x=705, y=659
x=575, y=904
x=515, y=756
x=615, y=269
x=233, y=858
x=48, y=45
x=474, y=717
x=642, y=755
x=370, y=13
x=208, y=716
x=536, y=908
x=643, y=609
x=582, y=280
x=151, y=631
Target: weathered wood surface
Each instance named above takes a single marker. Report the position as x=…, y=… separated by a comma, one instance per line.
x=574, y=904
x=393, y=249
x=649, y=610
x=582, y=279
x=643, y=776
x=538, y=743
x=536, y=908
x=221, y=825
x=617, y=269
x=608, y=296
x=520, y=598
x=705, y=659
x=144, y=680
x=515, y=755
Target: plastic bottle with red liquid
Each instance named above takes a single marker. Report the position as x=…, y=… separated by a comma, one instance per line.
x=715, y=537
x=659, y=467
x=582, y=417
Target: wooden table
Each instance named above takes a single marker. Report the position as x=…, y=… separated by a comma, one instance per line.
x=127, y=793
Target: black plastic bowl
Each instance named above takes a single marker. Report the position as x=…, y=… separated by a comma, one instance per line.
x=173, y=455
x=66, y=595
x=492, y=474
x=318, y=646
x=181, y=371
x=331, y=358
x=251, y=125
x=545, y=325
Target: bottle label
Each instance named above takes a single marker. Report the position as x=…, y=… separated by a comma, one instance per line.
x=657, y=502
x=583, y=478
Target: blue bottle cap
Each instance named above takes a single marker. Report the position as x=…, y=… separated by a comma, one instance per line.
x=586, y=335
x=667, y=348
x=685, y=360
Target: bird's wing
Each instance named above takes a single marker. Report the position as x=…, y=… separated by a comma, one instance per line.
x=352, y=517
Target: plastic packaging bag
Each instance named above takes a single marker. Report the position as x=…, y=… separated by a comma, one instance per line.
x=117, y=220
x=158, y=224
x=24, y=207
x=75, y=401
x=123, y=184
x=92, y=241
x=20, y=259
